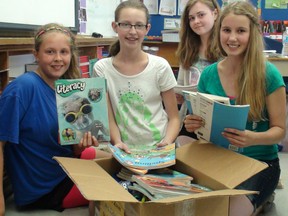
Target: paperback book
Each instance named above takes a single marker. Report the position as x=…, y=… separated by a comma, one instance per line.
x=218, y=114
x=82, y=107
x=145, y=157
x=164, y=186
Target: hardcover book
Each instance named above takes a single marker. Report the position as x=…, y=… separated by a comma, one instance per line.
x=218, y=114
x=145, y=157
x=82, y=107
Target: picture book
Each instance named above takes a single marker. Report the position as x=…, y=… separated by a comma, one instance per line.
x=161, y=173
x=82, y=107
x=155, y=186
x=145, y=157
x=218, y=114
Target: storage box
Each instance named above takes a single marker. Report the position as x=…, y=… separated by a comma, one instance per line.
x=212, y=166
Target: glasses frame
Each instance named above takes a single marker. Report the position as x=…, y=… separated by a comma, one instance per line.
x=137, y=27
x=80, y=112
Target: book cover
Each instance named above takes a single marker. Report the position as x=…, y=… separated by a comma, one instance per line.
x=155, y=186
x=145, y=157
x=82, y=107
x=217, y=113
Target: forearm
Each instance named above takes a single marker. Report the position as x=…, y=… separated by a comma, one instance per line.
x=172, y=130
x=273, y=135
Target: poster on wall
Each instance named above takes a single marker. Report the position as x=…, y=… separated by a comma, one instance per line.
x=152, y=6
x=181, y=6
x=82, y=16
x=276, y=4
x=167, y=7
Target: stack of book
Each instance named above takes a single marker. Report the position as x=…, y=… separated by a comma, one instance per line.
x=143, y=158
x=160, y=183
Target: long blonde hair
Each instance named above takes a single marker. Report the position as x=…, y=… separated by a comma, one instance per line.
x=252, y=79
x=73, y=70
x=189, y=45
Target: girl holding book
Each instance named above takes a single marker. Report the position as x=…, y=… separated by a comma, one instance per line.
x=197, y=48
x=29, y=128
x=138, y=84
x=247, y=77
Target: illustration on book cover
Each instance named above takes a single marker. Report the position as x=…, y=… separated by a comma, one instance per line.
x=145, y=157
x=82, y=107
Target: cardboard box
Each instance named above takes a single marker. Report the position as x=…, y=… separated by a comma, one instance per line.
x=211, y=166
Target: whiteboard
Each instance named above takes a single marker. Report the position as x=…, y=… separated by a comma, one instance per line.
x=29, y=14
x=100, y=14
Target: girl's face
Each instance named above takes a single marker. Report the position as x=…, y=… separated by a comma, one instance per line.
x=234, y=34
x=131, y=36
x=202, y=19
x=54, y=55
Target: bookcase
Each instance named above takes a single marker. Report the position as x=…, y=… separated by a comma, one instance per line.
x=10, y=46
x=88, y=46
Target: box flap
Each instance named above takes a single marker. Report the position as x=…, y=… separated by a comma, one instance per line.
x=218, y=193
x=93, y=182
x=226, y=167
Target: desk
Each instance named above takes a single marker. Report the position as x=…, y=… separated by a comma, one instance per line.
x=281, y=64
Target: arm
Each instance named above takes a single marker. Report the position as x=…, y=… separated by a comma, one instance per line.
x=2, y=202
x=180, y=81
x=276, y=107
x=170, y=104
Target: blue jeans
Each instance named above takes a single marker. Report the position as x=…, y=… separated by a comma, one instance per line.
x=265, y=182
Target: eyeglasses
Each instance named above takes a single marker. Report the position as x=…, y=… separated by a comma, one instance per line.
x=127, y=26
x=84, y=110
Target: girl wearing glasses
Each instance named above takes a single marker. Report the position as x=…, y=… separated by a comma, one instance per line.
x=196, y=50
x=29, y=128
x=139, y=84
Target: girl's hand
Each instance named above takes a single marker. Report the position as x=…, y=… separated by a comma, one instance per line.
x=161, y=144
x=88, y=140
x=123, y=146
x=193, y=122
x=239, y=138
x=179, y=98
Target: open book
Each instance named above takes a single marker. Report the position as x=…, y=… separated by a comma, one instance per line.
x=145, y=157
x=218, y=114
x=82, y=107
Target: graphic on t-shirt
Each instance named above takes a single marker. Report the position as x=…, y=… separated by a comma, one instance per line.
x=194, y=75
x=131, y=101
x=196, y=70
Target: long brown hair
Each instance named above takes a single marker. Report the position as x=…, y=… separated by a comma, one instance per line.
x=115, y=47
x=189, y=45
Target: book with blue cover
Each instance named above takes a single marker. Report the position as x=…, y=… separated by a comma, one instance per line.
x=82, y=107
x=145, y=157
x=217, y=114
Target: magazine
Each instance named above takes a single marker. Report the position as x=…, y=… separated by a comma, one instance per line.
x=218, y=114
x=82, y=107
x=145, y=157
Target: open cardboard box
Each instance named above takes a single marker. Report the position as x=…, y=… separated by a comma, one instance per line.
x=210, y=165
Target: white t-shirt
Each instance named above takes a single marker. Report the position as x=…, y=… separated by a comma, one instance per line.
x=136, y=100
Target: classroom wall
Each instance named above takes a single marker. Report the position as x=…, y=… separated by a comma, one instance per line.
x=267, y=14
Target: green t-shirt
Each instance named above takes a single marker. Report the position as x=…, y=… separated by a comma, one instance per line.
x=210, y=83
